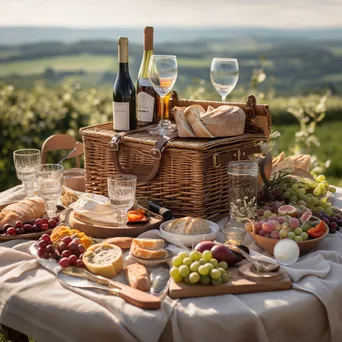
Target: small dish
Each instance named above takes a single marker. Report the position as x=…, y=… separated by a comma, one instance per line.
x=189, y=240
x=153, y=262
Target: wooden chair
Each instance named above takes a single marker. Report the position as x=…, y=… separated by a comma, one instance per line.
x=74, y=178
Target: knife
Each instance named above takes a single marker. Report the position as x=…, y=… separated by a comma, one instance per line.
x=129, y=294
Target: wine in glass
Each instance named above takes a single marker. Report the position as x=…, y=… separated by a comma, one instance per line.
x=25, y=162
x=163, y=73
x=224, y=75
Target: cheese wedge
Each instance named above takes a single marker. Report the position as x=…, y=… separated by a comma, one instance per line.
x=152, y=244
x=103, y=259
x=147, y=253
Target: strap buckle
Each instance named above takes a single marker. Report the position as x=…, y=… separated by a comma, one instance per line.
x=216, y=161
x=156, y=154
x=114, y=143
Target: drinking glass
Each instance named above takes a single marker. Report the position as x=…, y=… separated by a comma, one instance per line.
x=25, y=162
x=224, y=75
x=163, y=73
x=49, y=178
x=243, y=187
x=121, y=191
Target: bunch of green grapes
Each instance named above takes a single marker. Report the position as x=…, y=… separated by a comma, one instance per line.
x=196, y=267
x=310, y=193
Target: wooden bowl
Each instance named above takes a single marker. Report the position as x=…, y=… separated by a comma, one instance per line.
x=268, y=244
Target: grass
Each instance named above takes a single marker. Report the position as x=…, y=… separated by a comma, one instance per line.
x=89, y=63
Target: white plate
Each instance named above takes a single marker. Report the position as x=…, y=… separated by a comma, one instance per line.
x=153, y=262
x=189, y=240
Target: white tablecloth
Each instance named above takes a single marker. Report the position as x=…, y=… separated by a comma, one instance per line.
x=33, y=301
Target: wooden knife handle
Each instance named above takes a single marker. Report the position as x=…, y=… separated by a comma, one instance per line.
x=135, y=297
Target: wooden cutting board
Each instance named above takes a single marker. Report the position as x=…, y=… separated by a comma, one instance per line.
x=104, y=232
x=238, y=285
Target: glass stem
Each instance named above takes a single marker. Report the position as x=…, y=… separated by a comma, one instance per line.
x=50, y=207
x=161, y=109
x=223, y=98
x=29, y=187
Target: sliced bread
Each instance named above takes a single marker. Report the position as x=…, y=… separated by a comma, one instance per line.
x=198, y=226
x=192, y=114
x=147, y=253
x=151, y=244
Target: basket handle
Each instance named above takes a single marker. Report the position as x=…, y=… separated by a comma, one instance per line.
x=144, y=173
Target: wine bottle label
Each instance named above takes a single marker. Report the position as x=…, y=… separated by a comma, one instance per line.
x=121, y=116
x=145, y=107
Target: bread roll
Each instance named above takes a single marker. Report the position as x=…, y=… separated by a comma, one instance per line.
x=193, y=115
x=25, y=210
x=137, y=277
x=224, y=121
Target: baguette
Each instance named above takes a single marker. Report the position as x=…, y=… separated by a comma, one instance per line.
x=25, y=210
x=137, y=277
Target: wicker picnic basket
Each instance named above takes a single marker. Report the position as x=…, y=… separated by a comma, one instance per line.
x=188, y=176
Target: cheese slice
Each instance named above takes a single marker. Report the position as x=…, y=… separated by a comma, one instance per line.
x=104, y=259
x=147, y=253
x=152, y=244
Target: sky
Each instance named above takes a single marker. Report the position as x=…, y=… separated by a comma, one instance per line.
x=185, y=13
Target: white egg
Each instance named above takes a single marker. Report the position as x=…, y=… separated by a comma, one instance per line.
x=286, y=252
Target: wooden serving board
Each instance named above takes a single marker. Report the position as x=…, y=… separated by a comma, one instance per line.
x=237, y=285
x=104, y=232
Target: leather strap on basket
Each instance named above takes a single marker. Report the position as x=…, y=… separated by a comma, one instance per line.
x=221, y=158
x=144, y=173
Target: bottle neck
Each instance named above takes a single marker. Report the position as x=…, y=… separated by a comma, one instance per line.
x=143, y=72
x=123, y=68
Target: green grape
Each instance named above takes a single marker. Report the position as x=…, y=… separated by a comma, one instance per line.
x=182, y=255
x=315, y=201
x=303, y=197
x=209, y=265
x=321, y=186
x=174, y=272
x=320, y=178
x=206, y=255
x=202, y=261
x=195, y=255
x=323, y=192
x=283, y=233
x=267, y=213
x=291, y=235
x=329, y=211
x=184, y=271
x=203, y=270
x=216, y=282
x=301, y=191
x=324, y=200
x=319, y=209
x=214, y=262
x=305, y=227
x=332, y=189
x=194, y=277
x=304, y=236
x=194, y=266
x=187, y=280
x=298, y=238
x=287, y=194
x=225, y=278
x=223, y=264
x=310, y=195
x=178, y=279
x=294, y=187
x=222, y=270
x=317, y=191
x=176, y=261
x=204, y=279
x=215, y=274
x=187, y=261
x=298, y=231
x=293, y=199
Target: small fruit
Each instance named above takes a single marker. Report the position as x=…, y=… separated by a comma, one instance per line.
x=298, y=238
x=216, y=282
x=50, y=249
x=52, y=223
x=291, y=235
x=194, y=266
x=287, y=210
x=215, y=274
x=187, y=261
x=294, y=222
x=298, y=231
x=195, y=255
x=38, y=222
x=214, y=262
x=203, y=270
x=18, y=224
x=79, y=263
x=176, y=261
x=64, y=262
x=304, y=236
x=194, y=277
x=184, y=271
x=11, y=231
x=223, y=264
x=182, y=255
x=66, y=253
x=44, y=227
x=207, y=255
x=204, y=279
x=67, y=240
x=72, y=259
x=42, y=244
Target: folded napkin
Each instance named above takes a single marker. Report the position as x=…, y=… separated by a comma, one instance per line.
x=312, y=266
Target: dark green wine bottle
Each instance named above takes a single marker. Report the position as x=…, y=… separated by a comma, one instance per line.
x=124, y=104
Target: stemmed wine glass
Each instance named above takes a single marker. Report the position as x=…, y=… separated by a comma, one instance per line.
x=49, y=178
x=25, y=162
x=121, y=191
x=163, y=71
x=224, y=75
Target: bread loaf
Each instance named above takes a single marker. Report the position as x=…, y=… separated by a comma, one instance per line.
x=224, y=121
x=25, y=210
x=188, y=226
x=183, y=127
x=137, y=277
x=193, y=115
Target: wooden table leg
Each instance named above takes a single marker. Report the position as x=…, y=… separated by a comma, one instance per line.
x=13, y=335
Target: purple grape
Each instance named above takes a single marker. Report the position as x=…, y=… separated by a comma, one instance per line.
x=275, y=235
x=333, y=225
x=333, y=219
x=261, y=232
x=325, y=220
x=339, y=222
x=268, y=235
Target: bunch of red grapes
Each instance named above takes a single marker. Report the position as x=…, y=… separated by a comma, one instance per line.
x=68, y=252
x=35, y=226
